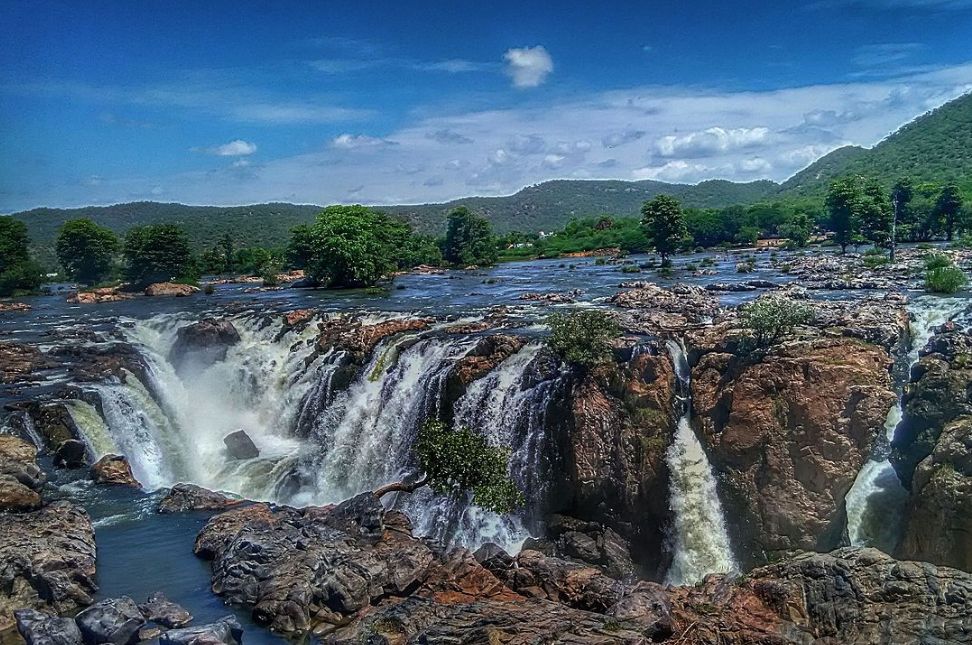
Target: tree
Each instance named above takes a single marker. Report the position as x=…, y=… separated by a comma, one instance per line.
x=798, y=229
x=469, y=240
x=458, y=461
x=947, y=209
x=300, y=248
x=354, y=246
x=157, y=253
x=582, y=338
x=86, y=250
x=770, y=318
x=901, y=195
x=842, y=206
x=874, y=214
x=664, y=225
x=17, y=271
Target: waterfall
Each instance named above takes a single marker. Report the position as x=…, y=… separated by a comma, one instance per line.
x=510, y=412
x=96, y=435
x=701, y=541
x=876, y=499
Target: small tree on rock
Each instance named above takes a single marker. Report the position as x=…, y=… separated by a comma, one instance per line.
x=583, y=337
x=86, y=250
x=664, y=225
x=459, y=461
x=772, y=318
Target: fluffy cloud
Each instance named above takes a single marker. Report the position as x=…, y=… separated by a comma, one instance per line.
x=528, y=66
x=711, y=141
x=357, y=141
x=235, y=148
x=673, y=171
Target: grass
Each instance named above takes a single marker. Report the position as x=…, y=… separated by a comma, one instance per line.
x=947, y=280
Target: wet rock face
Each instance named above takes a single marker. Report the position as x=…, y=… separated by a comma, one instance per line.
x=20, y=478
x=71, y=454
x=38, y=628
x=116, y=621
x=650, y=309
x=114, y=470
x=359, y=340
x=18, y=362
x=182, y=498
x=203, y=343
x=787, y=434
x=240, y=446
x=164, y=612
x=933, y=452
x=225, y=631
x=486, y=356
x=621, y=421
x=47, y=560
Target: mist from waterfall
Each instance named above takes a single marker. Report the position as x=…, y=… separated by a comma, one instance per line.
x=316, y=445
x=876, y=500
x=701, y=541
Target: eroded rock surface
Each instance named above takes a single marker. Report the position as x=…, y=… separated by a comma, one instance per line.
x=47, y=560
x=20, y=477
x=182, y=498
x=202, y=343
x=114, y=470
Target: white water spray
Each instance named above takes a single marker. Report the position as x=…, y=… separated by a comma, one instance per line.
x=701, y=541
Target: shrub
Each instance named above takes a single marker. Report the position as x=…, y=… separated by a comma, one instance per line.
x=947, y=279
x=746, y=267
x=582, y=338
x=630, y=268
x=874, y=261
x=935, y=260
x=772, y=317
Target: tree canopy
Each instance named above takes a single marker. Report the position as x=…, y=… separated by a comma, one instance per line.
x=664, y=224
x=469, y=239
x=157, y=253
x=17, y=271
x=583, y=337
x=86, y=250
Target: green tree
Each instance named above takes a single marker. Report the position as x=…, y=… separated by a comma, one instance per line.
x=300, y=248
x=469, y=240
x=843, y=205
x=354, y=246
x=458, y=461
x=664, y=225
x=797, y=229
x=582, y=338
x=157, y=253
x=86, y=250
x=901, y=195
x=947, y=209
x=17, y=271
x=771, y=318
x=875, y=214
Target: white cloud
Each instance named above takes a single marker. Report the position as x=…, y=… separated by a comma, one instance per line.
x=616, y=139
x=711, y=141
x=357, y=141
x=235, y=148
x=673, y=171
x=528, y=66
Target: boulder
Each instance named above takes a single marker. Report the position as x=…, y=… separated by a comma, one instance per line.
x=115, y=620
x=7, y=306
x=114, y=470
x=47, y=560
x=787, y=431
x=359, y=340
x=19, y=363
x=164, y=612
x=97, y=296
x=200, y=344
x=225, y=631
x=240, y=446
x=170, y=289
x=20, y=478
x=38, y=628
x=72, y=453
x=189, y=497
x=297, y=317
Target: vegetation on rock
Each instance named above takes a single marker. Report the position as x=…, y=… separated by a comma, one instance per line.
x=86, y=250
x=771, y=318
x=664, y=225
x=582, y=338
x=158, y=253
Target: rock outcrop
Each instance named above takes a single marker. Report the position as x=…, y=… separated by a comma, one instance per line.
x=199, y=345
x=933, y=452
x=20, y=477
x=359, y=340
x=38, y=628
x=19, y=361
x=182, y=498
x=114, y=470
x=787, y=431
x=164, y=612
x=620, y=423
x=170, y=289
x=116, y=621
x=225, y=631
x=47, y=560
x=240, y=446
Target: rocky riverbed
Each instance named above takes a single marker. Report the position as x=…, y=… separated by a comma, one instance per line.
x=254, y=427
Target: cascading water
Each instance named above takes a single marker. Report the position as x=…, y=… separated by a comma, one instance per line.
x=701, y=541
x=316, y=445
x=875, y=501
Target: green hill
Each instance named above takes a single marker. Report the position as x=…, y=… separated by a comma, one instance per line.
x=546, y=206
x=936, y=147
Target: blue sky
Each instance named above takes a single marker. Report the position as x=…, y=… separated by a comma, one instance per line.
x=390, y=102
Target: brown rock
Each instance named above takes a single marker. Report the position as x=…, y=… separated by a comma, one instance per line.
x=114, y=470
x=6, y=306
x=788, y=433
x=170, y=289
x=346, y=334
x=97, y=296
x=189, y=497
x=20, y=477
x=47, y=560
x=19, y=362
x=298, y=317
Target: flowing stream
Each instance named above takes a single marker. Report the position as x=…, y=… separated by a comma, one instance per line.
x=876, y=500
x=701, y=541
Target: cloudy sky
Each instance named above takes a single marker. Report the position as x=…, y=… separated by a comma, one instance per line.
x=390, y=102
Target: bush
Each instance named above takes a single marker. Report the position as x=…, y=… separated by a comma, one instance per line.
x=630, y=268
x=947, y=279
x=772, y=317
x=937, y=260
x=746, y=267
x=875, y=261
x=582, y=338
